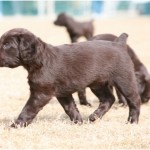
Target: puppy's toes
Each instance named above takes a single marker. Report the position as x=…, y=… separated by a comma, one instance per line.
x=13, y=125
x=77, y=119
x=93, y=117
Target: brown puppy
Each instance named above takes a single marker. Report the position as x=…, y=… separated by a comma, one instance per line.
x=62, y=70
x=75, y=29
x=142, y=75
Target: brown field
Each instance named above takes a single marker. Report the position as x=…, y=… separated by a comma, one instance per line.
x=52, y=129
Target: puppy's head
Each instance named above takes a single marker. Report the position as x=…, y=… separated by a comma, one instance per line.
x=140, y=82
x=61, y=20
x=17, y=47
x=143, y=87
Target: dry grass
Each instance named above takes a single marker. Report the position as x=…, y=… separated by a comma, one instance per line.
x=52, y=129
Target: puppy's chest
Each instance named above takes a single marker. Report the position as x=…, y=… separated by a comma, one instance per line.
x=41, y=83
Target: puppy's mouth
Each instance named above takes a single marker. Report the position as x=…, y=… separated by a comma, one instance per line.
x=5, y=64
x=2, y=64
x=55, y=22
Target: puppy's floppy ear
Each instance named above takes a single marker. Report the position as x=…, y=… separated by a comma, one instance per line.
x=27, y=47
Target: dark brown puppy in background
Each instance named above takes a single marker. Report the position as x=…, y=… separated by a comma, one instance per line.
x=141, y=72
x=75, y=29
x=62, y=70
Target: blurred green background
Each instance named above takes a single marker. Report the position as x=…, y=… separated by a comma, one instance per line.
x=75, y=8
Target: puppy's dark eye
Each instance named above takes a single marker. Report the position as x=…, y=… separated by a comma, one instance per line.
x=6, y=46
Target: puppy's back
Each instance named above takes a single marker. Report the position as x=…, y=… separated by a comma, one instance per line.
x=90, y=54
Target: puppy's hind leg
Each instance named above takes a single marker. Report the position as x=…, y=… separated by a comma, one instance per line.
x=82, y=98
x=70, y=108
x=129, y=90
x=104, y=93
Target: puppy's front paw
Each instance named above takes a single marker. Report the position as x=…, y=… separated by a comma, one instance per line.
x=78, y=119
x=14, y=125
x=18, y=124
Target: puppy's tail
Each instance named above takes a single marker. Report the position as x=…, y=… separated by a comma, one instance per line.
x=122, y=39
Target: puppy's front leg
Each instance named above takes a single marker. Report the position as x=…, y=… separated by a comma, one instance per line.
x=73, y=37
x=70, y=108
x=30, y=110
